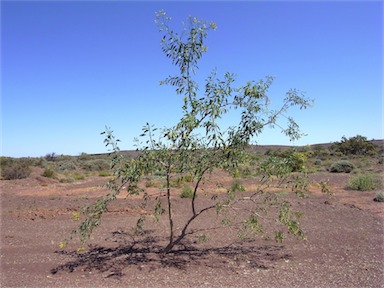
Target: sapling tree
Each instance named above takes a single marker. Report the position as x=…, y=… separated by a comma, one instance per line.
x=200, y=143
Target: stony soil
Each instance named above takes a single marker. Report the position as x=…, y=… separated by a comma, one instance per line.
x=344, y=244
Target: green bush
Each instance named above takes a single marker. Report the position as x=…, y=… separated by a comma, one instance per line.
x=15, y=170
x=48, y=172
x=84, y=156
x=105, y=174
x=72, y=177
x=294, y=160
x=244, y=171
x=364, y=182
x=379, y=197
x=39, y=162
x=321, y=152
x=358, y=145
x=151, y=183
x=67, y=180
x=5, y=161
x=67, y=165
x=342, y=166
x=297, y=161
x=380, y=159
x=78, y=176
x=187, y=192
x=95, y=165
x=237, y=186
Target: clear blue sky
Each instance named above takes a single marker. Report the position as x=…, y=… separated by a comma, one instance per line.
x=70, y=68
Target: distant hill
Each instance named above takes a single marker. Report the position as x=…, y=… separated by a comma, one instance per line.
x=264, y=148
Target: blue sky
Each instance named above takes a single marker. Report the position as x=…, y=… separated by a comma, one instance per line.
x=71, y=68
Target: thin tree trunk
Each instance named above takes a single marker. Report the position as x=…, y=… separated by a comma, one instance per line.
x=184, y=231
x=170, y=243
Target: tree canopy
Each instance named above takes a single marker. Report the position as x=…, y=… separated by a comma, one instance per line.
x=357, y=145
x=197, y=144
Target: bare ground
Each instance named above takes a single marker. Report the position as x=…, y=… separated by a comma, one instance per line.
x=344, y=245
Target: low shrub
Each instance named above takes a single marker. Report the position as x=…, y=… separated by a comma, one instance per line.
x=176, y=183
x=342, y=166
x=180, y=181
x=48, y=172
x=245, y=171
x=185, y=178
x=67, y=180
x=160, y=173
x=364, y=182
x=4, y=161
x=380, y=159
x=379, y=197
x=51, y=157
x=300, y=184
x=297, y=161
x=67, y=165
x=187, y=192
x=15, y=170
x=151, y=183
x=78, y=176
x=363, y=162
x=321, y=152
x=105, y=174
x=324, y=185
x=237, y=186
x=72, y=177
x=39, y=162
x=96, y=165
x=84, y=156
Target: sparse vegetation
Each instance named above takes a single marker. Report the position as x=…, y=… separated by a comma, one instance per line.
x=67, y=165
x=51, y=157
x=379, y=197
x=12, y=169
x=297, y=161
x=67, y=180
x=321, y=152
x=294, y=159
x=358, y=145
x=95, y=164
x=380, y=159
x=181, y=159
x=48, y=172
x=342, y=166
x=105, y=174
x=186, y=192
x=364, y=182
x=70, y=177
x=74, y=168
x=236, y=186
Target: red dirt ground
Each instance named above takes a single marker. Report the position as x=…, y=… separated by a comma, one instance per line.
x=344, y=245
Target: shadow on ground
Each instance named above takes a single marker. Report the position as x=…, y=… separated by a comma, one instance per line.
x=147, y=254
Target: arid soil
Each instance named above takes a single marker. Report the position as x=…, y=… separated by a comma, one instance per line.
x=344, y=244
